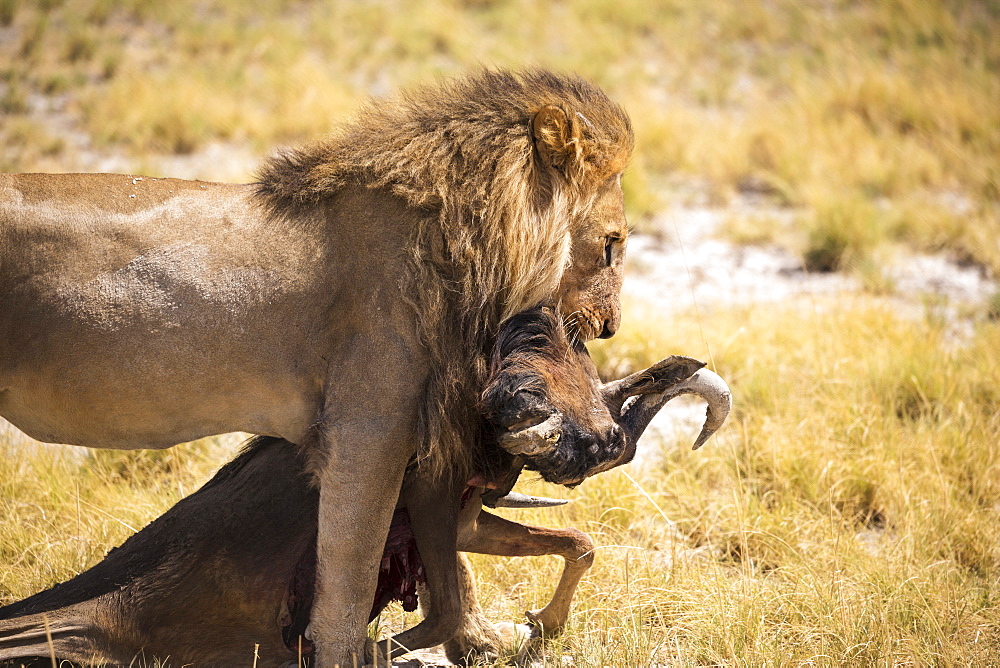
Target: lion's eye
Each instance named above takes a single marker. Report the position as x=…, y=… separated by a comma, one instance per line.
x=609, y=243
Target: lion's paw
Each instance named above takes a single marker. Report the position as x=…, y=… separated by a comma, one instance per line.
x=488, y=643
x=375, y=653
x=521, y=641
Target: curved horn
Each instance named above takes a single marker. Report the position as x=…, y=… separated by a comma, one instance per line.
x=535, y=439
x=709, y=386
x=704, y=383
x=657, y=378
x=518, y=500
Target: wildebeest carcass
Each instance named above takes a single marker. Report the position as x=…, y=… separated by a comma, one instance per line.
x=232, y=566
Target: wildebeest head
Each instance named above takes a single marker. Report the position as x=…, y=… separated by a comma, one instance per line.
x=550, y=407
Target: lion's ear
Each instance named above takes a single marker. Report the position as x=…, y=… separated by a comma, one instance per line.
x=557, y=138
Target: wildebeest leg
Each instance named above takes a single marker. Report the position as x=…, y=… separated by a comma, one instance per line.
x=491, y=534
x=69, y=634
x=433, y=507
x=496, y=535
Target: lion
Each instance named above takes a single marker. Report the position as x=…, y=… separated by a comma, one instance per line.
x=346, y=301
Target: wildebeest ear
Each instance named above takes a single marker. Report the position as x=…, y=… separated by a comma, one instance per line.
x=557, y=138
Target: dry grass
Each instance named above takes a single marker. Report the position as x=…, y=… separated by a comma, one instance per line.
x=848, y=513
x=63, y=508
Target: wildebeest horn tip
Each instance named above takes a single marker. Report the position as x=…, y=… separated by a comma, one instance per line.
x=710, y=387
x=518, y=500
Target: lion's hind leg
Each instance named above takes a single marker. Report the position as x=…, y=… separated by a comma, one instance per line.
x=477, y=638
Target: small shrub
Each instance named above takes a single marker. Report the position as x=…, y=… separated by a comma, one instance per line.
x=14, y=99
x=842, y=232
x=8, y=8
x=81, y=47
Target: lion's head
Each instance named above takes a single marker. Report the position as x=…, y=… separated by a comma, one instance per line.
x=519, y=179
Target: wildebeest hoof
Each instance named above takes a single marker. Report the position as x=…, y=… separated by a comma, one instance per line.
x=544, y=623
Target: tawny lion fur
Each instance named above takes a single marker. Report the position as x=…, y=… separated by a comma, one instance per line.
x=346, y=302
x=496, y=239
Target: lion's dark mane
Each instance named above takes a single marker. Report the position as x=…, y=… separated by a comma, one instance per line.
x=494, y=236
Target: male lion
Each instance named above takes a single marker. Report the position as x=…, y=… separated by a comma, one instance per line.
x=346, y=302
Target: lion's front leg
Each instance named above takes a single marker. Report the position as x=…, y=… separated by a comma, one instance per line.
x=477, y=640
x=360, y=476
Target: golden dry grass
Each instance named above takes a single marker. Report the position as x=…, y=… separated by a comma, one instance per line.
x=848, y=513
